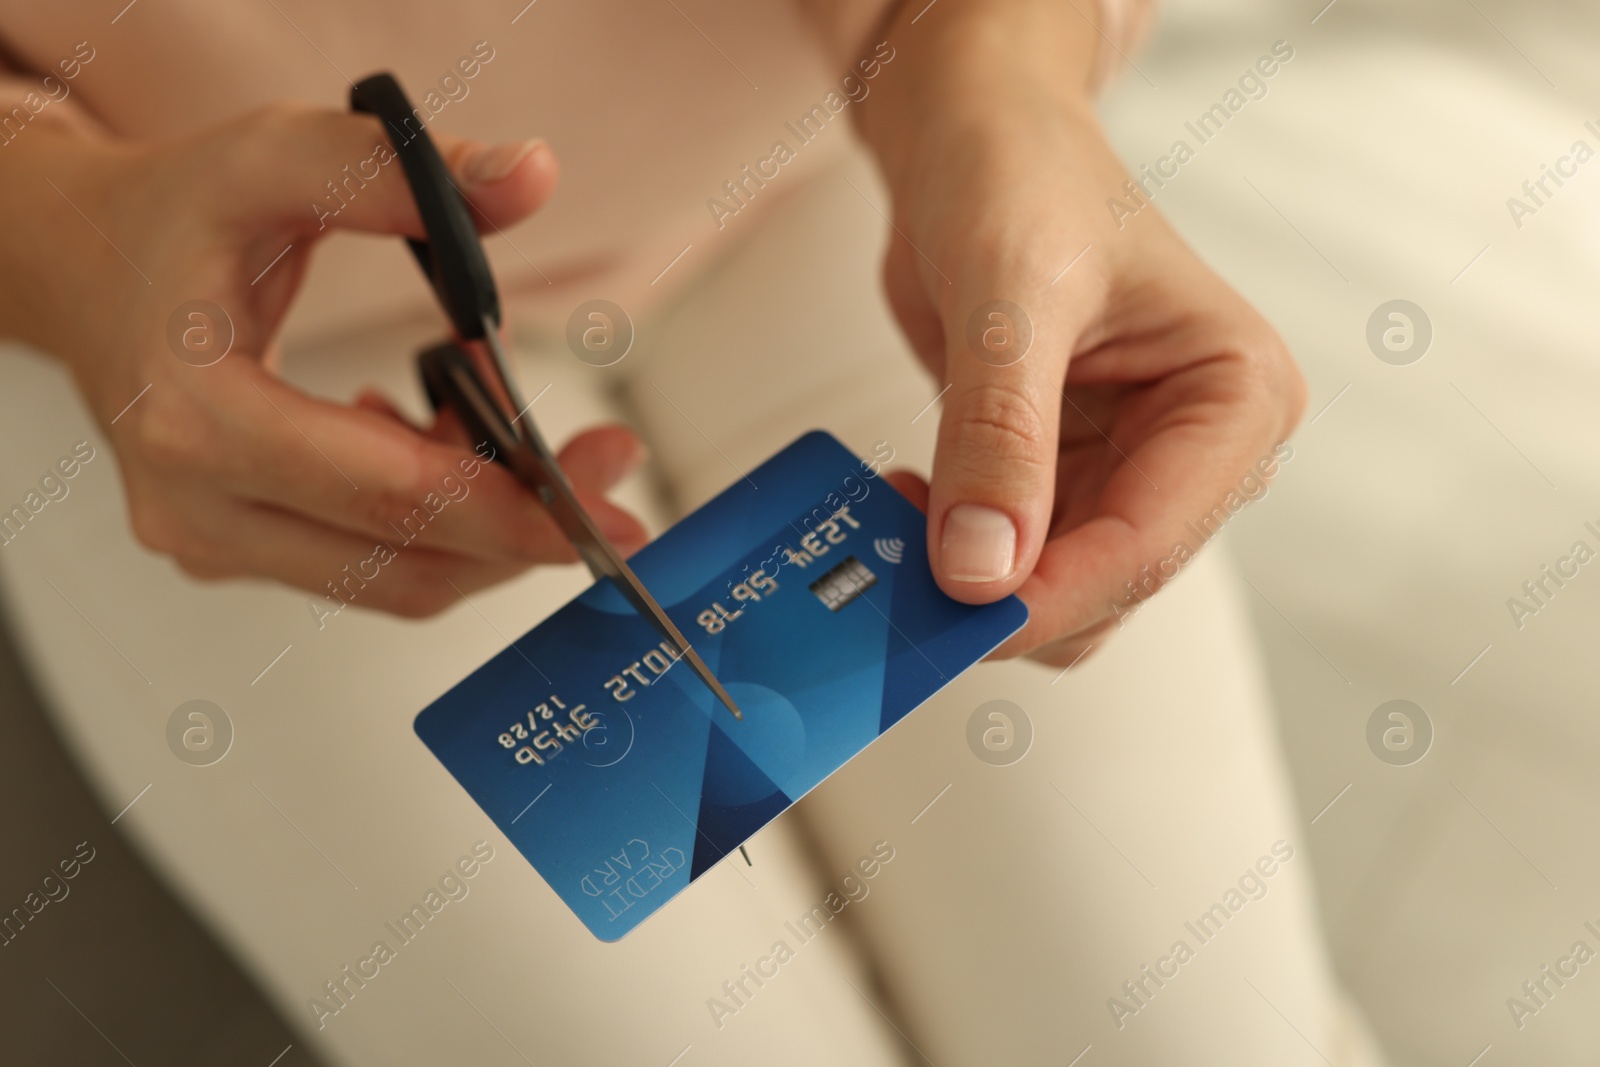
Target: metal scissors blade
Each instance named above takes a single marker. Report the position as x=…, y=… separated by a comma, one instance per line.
x=449, y=375
x=483, y=391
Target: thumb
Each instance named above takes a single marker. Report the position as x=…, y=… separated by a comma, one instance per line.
x=315, y=169
x=994, y=467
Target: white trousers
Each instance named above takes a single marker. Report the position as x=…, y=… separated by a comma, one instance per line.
x=1031, y=913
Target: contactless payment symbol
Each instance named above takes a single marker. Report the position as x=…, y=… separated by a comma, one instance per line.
x=889, y=549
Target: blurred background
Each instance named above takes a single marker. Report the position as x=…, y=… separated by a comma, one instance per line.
x=1421, y=496
x=1430, y=481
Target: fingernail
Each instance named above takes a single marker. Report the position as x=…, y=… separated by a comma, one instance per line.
x=979, y=544
x=489, y=165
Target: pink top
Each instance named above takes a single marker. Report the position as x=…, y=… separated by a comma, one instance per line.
x=650, y=108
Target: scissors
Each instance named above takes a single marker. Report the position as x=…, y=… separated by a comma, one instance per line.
x=471, y=375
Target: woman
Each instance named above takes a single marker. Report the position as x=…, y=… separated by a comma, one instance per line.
x=1128, y=391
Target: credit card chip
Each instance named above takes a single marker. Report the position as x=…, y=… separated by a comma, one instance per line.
x=843, y=583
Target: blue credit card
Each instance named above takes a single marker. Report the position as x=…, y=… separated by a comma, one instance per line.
x=609, y=764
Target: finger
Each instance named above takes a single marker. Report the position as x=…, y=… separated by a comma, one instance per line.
x=1065, y=651
x=1070, y=651
x=341, y=569
x=595, y=461
x=908, y=299
x=598, y=459
x=911, y=486
x=316, y=168
x=375, y=402
x=1209, y=453
x=447, y=427
x=994, y=466
x=364, y=473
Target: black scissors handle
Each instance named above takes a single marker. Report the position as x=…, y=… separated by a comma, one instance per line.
x=454, y=262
